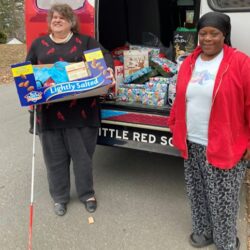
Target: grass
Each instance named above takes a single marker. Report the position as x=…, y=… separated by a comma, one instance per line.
x=10, y=54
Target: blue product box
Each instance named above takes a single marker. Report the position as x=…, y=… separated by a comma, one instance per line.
x=31, y=92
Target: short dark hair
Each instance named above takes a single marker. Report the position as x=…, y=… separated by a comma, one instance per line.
x=67, y=12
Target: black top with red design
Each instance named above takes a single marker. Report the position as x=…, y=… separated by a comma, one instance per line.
x=73, y=113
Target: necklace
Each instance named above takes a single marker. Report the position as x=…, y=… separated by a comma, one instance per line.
x=65, y=40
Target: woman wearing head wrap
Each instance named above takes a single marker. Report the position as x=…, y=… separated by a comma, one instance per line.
x=210, y=121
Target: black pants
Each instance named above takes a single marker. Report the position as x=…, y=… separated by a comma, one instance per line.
x=214, y=195
x=60, y=146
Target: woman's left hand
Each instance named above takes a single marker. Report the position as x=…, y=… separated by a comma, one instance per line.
x=111, y=77
x=246, y=156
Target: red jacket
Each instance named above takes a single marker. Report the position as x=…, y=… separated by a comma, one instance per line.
x=229, y=123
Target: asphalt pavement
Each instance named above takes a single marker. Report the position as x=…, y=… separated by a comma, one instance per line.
x=142, y=203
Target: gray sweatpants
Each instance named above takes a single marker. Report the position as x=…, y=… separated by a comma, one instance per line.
x=60, y=147
x=214, y=196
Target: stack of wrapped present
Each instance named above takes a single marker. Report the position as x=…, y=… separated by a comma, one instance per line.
x=144, y=76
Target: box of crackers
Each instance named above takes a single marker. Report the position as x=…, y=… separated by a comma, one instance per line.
x=37, y=84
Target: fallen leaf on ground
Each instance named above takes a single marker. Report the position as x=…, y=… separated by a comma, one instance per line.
x=91, y=220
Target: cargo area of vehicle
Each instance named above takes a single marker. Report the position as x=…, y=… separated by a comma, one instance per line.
x=146, y=23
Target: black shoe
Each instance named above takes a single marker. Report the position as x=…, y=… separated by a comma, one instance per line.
x=90, y=205
x=200, y=240
x=60, y=209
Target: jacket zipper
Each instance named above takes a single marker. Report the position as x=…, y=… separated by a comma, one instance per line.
x=214, y=100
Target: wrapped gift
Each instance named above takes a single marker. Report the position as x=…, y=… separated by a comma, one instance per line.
x=161, y=87
x=184, y=41
x=146, y=77
x=164, y=66
x=117, y=52
x=128, y=94
x=171, y=91
x=136, y=94
x=154, y=98
x=180, y=59
x=119, y=76
x=135, y=60
x=143, y=73
x=152, y=51
x=120, y=58
x=160, y=80
x=132, y=85
x=122, y=94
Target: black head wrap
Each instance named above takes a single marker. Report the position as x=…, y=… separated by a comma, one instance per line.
x=219, y=21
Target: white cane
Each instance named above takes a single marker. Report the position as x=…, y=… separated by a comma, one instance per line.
x=32, y=181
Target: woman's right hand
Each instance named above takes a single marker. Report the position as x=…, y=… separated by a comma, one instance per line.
x=111, y=77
